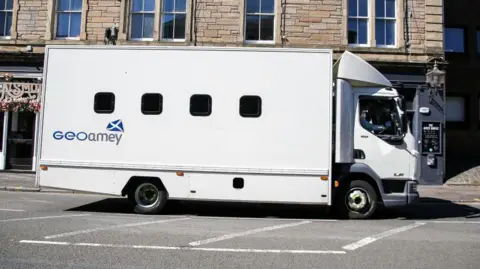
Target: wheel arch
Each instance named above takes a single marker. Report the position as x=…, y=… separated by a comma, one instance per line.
x=362, y=172
x=136, y=180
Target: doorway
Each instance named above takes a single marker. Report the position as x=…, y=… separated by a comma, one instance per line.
x=20, y=145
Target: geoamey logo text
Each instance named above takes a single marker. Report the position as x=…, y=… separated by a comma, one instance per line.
x=114, y=135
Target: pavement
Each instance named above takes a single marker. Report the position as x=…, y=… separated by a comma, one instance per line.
x=429, y=194
x=64, y=230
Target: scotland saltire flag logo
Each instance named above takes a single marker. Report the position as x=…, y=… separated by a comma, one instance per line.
x=115, y=126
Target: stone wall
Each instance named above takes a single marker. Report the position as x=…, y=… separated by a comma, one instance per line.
x=32, y=19
x=313, y=22
x=434, y=26
x=306, y=23
x=416, y=24
x=101, y=14
x=218, y=21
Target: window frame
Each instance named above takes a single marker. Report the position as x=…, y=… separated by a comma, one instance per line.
x=130, y=21
x=260, y=14
x=174, y=13
x=70, y=12
x=6, y=12
x=210, y=105
x=358, y=112
x=394, y=19
x=257, y=115
x=151, y=112
x=466, y=111
x=104, y=111
x=464, y=35
x=367, y=18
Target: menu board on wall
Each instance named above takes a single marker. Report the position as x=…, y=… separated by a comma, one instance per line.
x=431, y=137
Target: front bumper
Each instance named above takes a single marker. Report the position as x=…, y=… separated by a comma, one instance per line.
x=410, y=195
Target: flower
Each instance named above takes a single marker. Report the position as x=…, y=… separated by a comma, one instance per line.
x=20, y=105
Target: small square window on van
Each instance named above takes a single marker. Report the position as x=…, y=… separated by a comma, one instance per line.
x=152, y=104
x=250, y=106
x=201, y=105
x=104, y=102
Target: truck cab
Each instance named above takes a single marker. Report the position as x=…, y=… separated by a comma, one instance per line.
x=375, y=150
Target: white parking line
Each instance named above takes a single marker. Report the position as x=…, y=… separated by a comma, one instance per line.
x=452, y=221
x=259, y=230
x=44, y=242
x=260, y=218
x=47, y=217
x=367, y=240
x=12, y=210
x=37, y=201
x=113, y=215
x=278, y=251
x=112, y=227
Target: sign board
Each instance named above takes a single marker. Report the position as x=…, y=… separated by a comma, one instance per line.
x=431, y=137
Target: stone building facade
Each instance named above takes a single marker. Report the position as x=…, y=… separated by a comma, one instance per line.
x=400, y=37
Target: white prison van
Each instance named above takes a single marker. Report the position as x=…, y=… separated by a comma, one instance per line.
x=262, y=125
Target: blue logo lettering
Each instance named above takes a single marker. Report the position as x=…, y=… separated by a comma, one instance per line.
x=69, y=135
x=82, y=136
x=114, y=135
x=58, y=135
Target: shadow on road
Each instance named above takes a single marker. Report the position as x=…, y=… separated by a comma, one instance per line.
x=427, y=209
x=433, y=208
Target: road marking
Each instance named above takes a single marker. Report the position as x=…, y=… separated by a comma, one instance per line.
x=452, y=221
x=48, y=217
x=111, y=227
x=367, y=240
x=44, y=242
x=260, y=218
x=213, y=217
x=259, y=230
x=278, y=251
x=37, y=201
x=12, y=210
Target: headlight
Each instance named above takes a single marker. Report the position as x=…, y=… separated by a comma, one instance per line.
x=413, y=187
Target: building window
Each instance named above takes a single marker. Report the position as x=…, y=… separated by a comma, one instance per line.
x=104, y=103
x=250, y=106
x=259, y=21
x=385, y=22
x=152, y=104
x=200, y=105
x=174, y=15
x=6, y=11
x=455, y=109
x=358, y=22
x=69, y=17
x=142, y=20
x=455, y=40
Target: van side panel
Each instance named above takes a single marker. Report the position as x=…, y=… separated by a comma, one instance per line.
x=289, y=142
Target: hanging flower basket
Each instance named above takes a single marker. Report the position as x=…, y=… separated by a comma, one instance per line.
x=20, y=105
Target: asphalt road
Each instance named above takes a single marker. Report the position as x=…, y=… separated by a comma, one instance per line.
x=59, y=230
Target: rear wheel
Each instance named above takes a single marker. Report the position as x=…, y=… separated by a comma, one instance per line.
x=147, y=197
x=357, y=200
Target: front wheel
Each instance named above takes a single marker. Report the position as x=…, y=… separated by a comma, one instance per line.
x=357, y=200
x=147, y=197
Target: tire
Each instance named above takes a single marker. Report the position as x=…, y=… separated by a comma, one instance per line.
x=357, y=200
x=147, y=197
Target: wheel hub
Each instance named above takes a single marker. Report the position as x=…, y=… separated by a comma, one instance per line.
x=146, y=195
x=357, y=199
